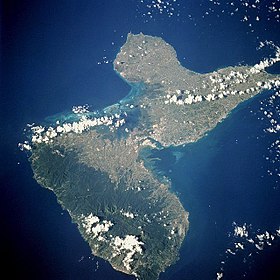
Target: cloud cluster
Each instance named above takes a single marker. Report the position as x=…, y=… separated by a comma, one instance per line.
x=240, y=231
x=94, y=227
x=41, y=134
x=129, y=245
x=262, y=65
x=127, y=214
x=220, y=85
x=245, y=238
x=81, y=109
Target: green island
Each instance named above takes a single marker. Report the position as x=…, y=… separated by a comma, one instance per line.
x=98, y=165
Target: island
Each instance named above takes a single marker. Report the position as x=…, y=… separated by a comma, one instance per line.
x=99, y=164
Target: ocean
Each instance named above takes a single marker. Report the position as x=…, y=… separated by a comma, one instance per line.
x=220, y=181
x=56, y=55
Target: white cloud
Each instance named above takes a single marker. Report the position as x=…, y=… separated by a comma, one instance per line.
x=129, y=245
x=94, y=227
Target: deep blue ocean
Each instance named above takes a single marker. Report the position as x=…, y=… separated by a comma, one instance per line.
x=56, y=54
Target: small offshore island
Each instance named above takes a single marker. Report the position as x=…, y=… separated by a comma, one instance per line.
x=98, y=166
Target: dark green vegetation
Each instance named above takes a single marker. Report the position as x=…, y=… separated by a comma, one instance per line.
x=159, y=220
x=100, y=169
